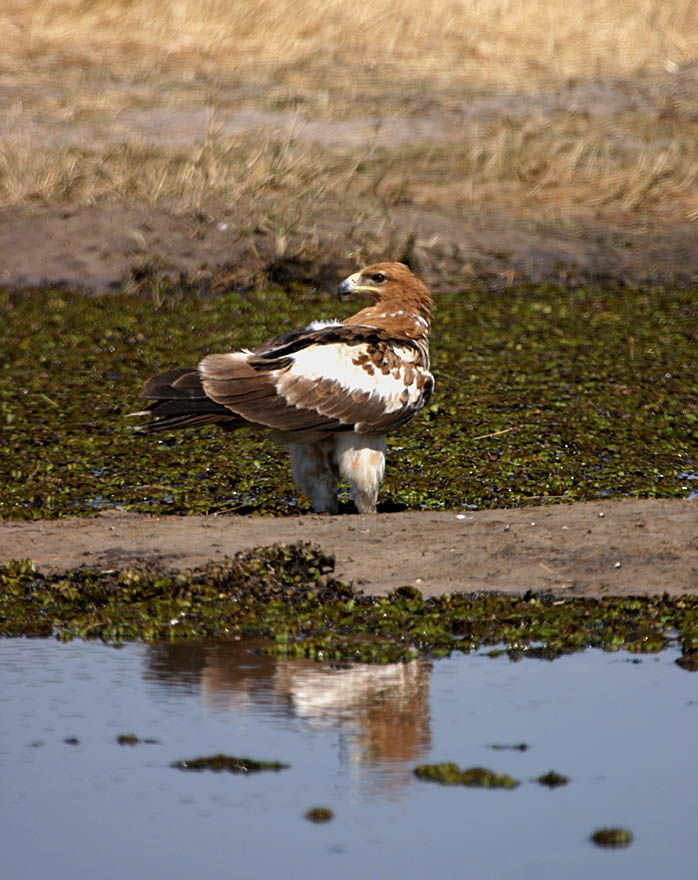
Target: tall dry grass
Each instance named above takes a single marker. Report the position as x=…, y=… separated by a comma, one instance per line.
x=74, y=67
x=480, y=43
x=275, y=179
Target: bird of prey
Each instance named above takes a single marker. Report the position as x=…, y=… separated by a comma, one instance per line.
x=331, y=391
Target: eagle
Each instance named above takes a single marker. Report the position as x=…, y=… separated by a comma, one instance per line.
x=330, y=392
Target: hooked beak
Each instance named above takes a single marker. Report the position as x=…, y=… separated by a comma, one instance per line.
x=346, y=288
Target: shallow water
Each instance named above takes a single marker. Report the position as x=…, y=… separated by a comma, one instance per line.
x=623, y=728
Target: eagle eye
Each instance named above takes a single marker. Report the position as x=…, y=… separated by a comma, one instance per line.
x=379, y=277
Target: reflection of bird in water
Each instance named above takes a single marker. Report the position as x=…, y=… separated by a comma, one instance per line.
x=381, y=712
x=387, y=707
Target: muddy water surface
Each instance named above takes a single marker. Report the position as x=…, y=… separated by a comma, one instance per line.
x=77, y=804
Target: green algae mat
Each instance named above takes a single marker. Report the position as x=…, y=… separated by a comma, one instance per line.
x=542, y=392
x=286, y=597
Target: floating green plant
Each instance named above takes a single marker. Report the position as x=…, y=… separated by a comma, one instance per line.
x=130, y=739
x=475, y=777
x=319, y=815
x=542, y=392
x=228, y=764
x=286, y=595
x=614, y=838
x=551, y=779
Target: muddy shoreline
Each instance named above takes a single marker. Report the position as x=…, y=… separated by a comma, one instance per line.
x=619, y=548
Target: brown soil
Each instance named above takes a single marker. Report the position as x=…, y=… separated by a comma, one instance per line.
x=103, y=248
x=591, y=549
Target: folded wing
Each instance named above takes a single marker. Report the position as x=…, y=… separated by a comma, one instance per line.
x=317, y=381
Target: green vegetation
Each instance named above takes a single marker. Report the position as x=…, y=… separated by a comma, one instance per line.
x=551, y=779
x=229, y=764
x=476, y=777
x=319, y=815
x=130, y=739
x=614, y=838
x=287, y=596
x=541, y=393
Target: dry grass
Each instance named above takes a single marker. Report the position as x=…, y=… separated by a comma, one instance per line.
x=582, y=165
x=627, y=165
x=513, y=44
x=238, y=170
x=89, y=76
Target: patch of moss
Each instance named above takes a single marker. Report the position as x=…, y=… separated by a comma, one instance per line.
x=286, y=594
x=614, y=838
x=476, y=777
x=551, y=779
x=228, y=764
x=319, y=815
x=542, y=393
x=689, y=661
x=130, y=739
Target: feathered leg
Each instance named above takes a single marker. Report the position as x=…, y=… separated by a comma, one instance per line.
x=315, y=473
x=361, y=460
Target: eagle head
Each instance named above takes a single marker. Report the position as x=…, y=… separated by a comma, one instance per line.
x=379, y=281
x=398, y=298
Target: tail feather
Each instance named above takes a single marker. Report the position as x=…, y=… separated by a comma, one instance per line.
x=179, y=401
x=188, y=420
x=184, y=382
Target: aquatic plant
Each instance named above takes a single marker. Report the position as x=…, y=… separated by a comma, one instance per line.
x=287, y=596
x=229, y=764
x=614, y=838
x=449, y=773
x=319, y=815
x=551, y=779
x=542, y=393
x=130, y=739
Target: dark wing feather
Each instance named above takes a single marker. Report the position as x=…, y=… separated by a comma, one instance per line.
x=179, y=401
x=251, y=390
x=290, y=343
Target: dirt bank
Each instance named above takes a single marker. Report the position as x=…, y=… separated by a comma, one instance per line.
x=590, y=549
